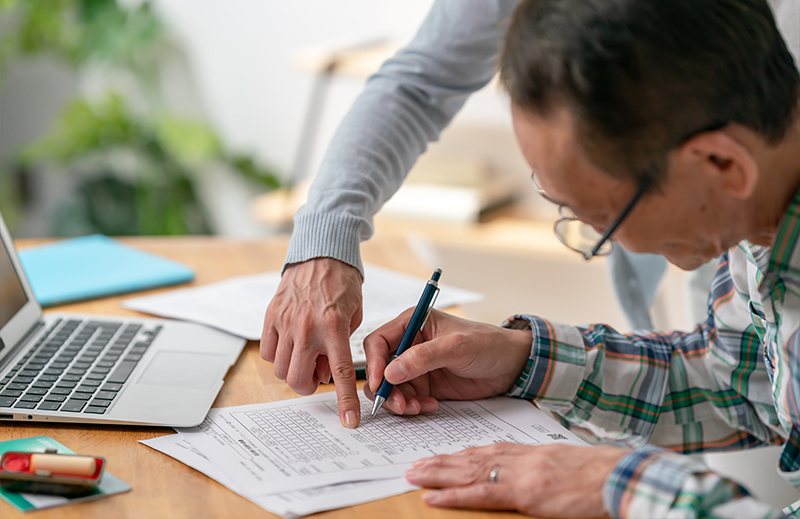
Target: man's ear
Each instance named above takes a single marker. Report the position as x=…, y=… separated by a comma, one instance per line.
x=720, y=156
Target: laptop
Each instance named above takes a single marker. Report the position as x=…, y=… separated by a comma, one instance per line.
x=102, y=369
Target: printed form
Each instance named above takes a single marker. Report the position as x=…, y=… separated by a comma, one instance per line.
x=290, y=504
x=298, y=444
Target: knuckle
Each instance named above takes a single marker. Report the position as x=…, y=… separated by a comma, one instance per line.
x=300, y=383
x=498, y=449
x=343, y=371
x=475, y=473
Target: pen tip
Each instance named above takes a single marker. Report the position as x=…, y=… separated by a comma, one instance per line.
x=377, y=405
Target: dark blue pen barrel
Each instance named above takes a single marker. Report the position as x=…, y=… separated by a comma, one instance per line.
x=413, y=327
x=384, y=389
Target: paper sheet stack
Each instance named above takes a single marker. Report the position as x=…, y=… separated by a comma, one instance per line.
x=293, y=457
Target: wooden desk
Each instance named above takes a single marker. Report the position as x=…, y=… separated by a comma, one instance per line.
x=163, y=487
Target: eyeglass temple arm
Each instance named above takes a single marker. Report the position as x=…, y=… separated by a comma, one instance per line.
x=613, y=227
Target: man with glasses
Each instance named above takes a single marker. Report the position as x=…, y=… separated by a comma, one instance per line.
x=582, y=237
x=671, y=127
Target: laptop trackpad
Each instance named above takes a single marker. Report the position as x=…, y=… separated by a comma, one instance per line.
x=181, y=369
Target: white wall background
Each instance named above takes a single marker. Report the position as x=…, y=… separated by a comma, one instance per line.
x=240, y=50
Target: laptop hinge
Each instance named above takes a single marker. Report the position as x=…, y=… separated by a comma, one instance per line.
x=19, y=345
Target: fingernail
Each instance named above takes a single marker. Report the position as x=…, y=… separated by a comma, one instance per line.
x=432, y=498
x=420, y=463
x=350, y=420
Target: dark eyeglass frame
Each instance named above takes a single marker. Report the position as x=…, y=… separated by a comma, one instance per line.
x=646, y=183
x=596, y=250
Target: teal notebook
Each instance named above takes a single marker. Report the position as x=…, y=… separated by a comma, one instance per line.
x=109, y=485
x=95, y=266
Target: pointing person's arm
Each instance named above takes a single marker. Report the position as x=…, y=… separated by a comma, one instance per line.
x=403, y=107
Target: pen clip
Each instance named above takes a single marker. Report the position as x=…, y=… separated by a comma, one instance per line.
x=430, y=307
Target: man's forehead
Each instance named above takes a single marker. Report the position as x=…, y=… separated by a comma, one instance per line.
x=548, y=143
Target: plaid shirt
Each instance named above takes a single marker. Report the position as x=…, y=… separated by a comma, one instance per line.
x=728, y=384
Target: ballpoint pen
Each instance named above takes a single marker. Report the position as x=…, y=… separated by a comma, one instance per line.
x=416, y=323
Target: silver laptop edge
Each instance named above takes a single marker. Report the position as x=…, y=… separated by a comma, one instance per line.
x=153, y=394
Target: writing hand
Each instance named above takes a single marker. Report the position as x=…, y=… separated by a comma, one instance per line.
x=451, y=359
x=307, y=330
x=543, y=480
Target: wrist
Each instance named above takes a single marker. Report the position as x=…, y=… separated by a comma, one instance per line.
x=555, y=368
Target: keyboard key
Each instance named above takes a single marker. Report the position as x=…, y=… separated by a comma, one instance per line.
x=51, y=371
x=85, y=389
x=61, y=391
x=100, y=403
x=17, y=387
x=43, y=384
x=96, y=376
x=10, y=393
x=82, y=365
x=6, y=401
x=55, y=398
x=122, y=372
x=37, y=391
x=67, y=383
x=75, y=371
x=49, y=406
x=81, y=396
x=46, y=378
x=102, y=371
x=27, y=397
x=111, y=387
x=134, y=357
x=70, y=378
x=23, y=380
x=105, y=395
x=73, y=406
x=105, y=364
x=25, y=405
x=95, y=410
x=91, y=383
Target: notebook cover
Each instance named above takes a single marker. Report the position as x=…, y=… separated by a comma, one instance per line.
x=109, y=485
x=95, y=266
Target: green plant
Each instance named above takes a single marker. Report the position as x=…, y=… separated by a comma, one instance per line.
x=136, y=171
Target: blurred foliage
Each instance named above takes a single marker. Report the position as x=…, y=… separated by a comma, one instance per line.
x=137, y=172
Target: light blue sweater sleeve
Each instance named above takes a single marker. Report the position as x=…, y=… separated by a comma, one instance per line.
x=403, y=107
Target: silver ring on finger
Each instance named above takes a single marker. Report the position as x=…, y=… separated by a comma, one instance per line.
x=493, y=474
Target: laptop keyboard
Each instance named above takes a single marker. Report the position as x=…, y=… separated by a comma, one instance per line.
x=77, y=366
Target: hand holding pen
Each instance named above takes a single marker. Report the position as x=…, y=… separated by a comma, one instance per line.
x=416, y=323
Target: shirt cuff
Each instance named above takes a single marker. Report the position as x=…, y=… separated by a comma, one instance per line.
x=555, y=368
x=653, y=482
x=319, y=235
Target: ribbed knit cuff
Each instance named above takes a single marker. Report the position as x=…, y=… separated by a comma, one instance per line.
x=318, y=235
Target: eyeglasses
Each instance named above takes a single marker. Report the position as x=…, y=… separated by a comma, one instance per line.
x=581, y=237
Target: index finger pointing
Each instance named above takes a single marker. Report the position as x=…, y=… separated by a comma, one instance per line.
x=344, y=377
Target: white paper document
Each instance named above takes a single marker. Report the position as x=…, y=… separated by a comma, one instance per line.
x=238, y=305
x=298, y=444
x=291, y=504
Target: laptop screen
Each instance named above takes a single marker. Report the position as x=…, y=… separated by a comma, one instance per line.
x=12, y=295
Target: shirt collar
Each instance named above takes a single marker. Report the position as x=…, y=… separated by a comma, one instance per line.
x=784, y=254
